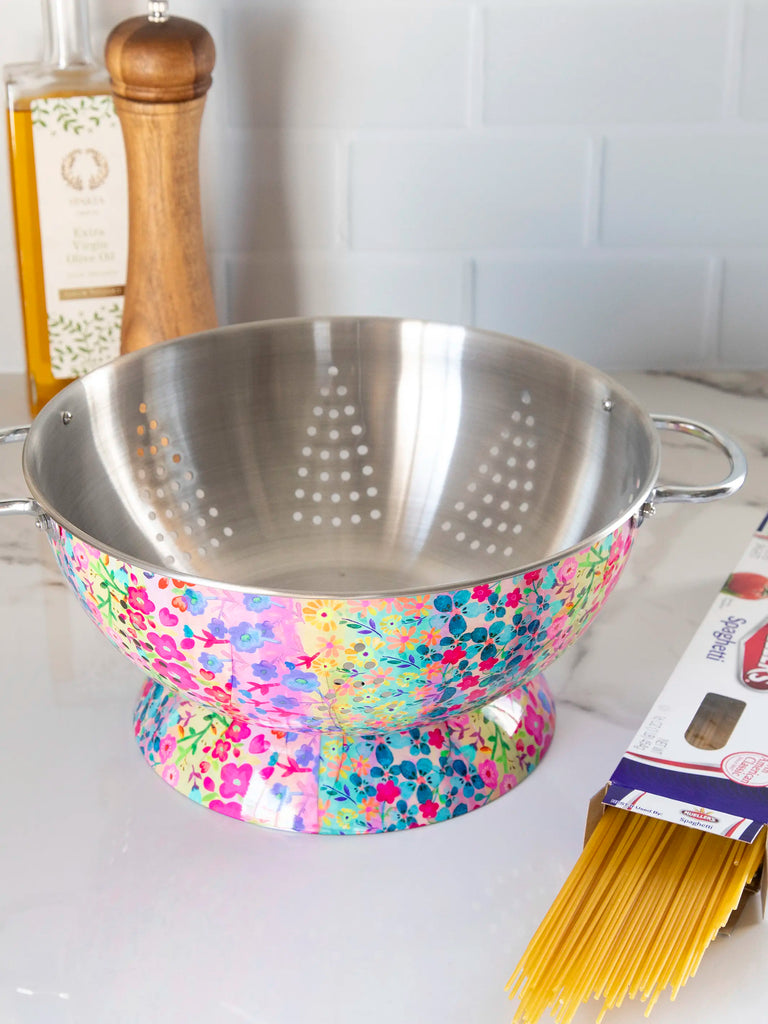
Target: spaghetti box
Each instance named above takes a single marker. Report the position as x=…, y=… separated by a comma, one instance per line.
x=700, y=758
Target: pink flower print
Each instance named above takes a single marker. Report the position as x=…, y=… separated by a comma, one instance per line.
x=532, y=576
x=174, y=674
x=617, y=550
x=235, y=779
x=237, y=731
x=221, y=750
x=454, y=655
x=387, y=792
x=481, y=592
x=567, y=570
x=513, y=599
x=487, y=664
x=429, y=808
x=80, y=556
x=137, y=619
x=138, y=598
x=258, y=744
x=171, y=774
x=218, y=695
x=525, y=662
x=167, y=747
x=233, y=810
x=165, y=646
x=436, y=738
x=489, y=772
x=534, y=724
x=467, y=682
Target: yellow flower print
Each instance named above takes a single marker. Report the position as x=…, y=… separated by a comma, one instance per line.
x=361, y=655
x=323, y=614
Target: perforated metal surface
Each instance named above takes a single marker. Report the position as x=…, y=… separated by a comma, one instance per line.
x=342, y=456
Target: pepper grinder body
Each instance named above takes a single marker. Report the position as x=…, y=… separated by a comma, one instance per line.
x=161, y=72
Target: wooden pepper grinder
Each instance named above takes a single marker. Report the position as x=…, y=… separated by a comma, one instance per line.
x=160, y=68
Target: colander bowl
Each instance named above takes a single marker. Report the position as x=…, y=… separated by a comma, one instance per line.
x=343, y=551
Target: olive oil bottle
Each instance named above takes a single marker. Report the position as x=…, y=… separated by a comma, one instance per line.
x=69, y=190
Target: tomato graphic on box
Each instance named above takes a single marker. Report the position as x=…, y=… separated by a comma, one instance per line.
x=749, y=585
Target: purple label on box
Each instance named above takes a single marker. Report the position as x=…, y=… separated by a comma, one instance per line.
x=717, y=791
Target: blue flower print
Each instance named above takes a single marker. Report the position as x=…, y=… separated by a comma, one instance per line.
x=250, y=636
x=196, y=602
x=306, y=682
x=217, y=628
x=210, y=662
x=264, y=670
x=286, y=703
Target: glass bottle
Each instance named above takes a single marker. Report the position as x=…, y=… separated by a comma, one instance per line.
x=69, y=192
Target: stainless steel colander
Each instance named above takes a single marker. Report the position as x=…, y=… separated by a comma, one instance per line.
x=332, y=543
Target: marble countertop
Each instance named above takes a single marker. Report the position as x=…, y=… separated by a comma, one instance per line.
x=121, y=901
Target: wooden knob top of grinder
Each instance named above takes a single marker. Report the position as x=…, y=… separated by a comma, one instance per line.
x=160, y=68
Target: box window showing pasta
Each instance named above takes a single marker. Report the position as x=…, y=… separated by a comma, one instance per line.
x=715, y=719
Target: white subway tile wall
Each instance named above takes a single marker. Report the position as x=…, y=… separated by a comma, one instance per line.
x=589, y=174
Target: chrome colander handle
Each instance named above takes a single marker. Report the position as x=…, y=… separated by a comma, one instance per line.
x=703, y=492
x=17, y=506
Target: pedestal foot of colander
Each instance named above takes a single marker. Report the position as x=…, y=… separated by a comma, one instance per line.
x=344, y=784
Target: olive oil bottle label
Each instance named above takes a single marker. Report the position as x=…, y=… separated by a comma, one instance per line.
x=83, y=227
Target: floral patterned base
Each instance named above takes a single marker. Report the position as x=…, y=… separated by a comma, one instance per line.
x=344, y=784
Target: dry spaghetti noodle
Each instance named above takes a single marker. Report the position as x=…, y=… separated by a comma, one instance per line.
x=634, y=917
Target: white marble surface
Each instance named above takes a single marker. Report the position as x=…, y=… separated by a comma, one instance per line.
x=120, y=901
